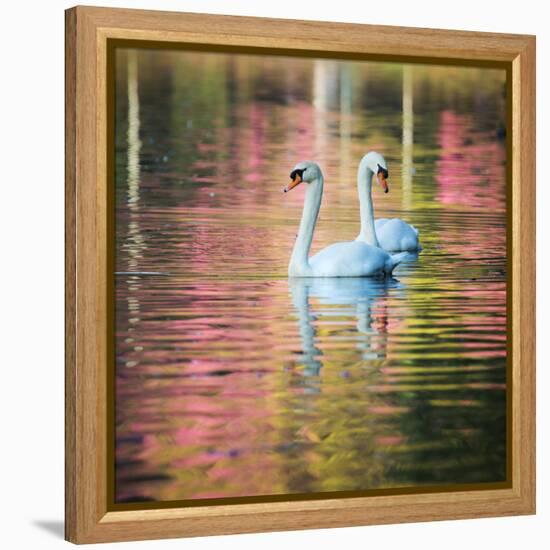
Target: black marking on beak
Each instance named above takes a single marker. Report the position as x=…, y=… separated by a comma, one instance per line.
x=383, y=171
x=298, y=172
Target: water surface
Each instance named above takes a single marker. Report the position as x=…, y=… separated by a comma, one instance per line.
x=232, y=380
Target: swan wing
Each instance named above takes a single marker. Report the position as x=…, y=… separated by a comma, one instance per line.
x=352, y=259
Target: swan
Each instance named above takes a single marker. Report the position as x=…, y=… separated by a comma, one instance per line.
x=346, y=259
x=393, y=235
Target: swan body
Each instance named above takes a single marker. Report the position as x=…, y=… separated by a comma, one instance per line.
x=393, y=235
x=353, y=259
x=345, y=259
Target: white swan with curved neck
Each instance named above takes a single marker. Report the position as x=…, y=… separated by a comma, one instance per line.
x=346, y=259
x=393, y=235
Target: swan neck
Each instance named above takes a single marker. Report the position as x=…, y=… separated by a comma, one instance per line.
x=364, y=187
x=299, y=264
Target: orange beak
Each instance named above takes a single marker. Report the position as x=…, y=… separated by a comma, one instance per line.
x=293, y=183
x=383, y=182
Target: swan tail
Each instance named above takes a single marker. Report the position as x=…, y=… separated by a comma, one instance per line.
x=394, y=260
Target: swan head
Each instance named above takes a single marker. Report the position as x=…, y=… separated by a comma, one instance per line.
x=305, y=171
x=376, y=163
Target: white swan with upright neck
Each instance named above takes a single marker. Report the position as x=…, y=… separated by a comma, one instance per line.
x=345, y=259
x=393, y=235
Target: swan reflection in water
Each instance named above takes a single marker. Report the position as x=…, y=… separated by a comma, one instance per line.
x=344, y=302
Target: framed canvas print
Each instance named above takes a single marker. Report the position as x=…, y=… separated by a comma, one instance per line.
x=300, y=274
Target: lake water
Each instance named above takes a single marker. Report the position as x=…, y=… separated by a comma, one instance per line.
x=231, y=379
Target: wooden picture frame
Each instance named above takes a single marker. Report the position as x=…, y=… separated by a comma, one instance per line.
x=90, y=32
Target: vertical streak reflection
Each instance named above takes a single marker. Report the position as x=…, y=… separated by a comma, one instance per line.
x=135, y=238
x=134, y=143
x=132, y=168
x=408, y=136
x=345, y=121
x=325, y=96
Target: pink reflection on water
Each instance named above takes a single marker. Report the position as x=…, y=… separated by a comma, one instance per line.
x=198, y=423
x=256, y=147
x=389, y=440
x=470, y=169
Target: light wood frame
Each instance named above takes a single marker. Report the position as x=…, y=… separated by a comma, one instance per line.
x=88, y=30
